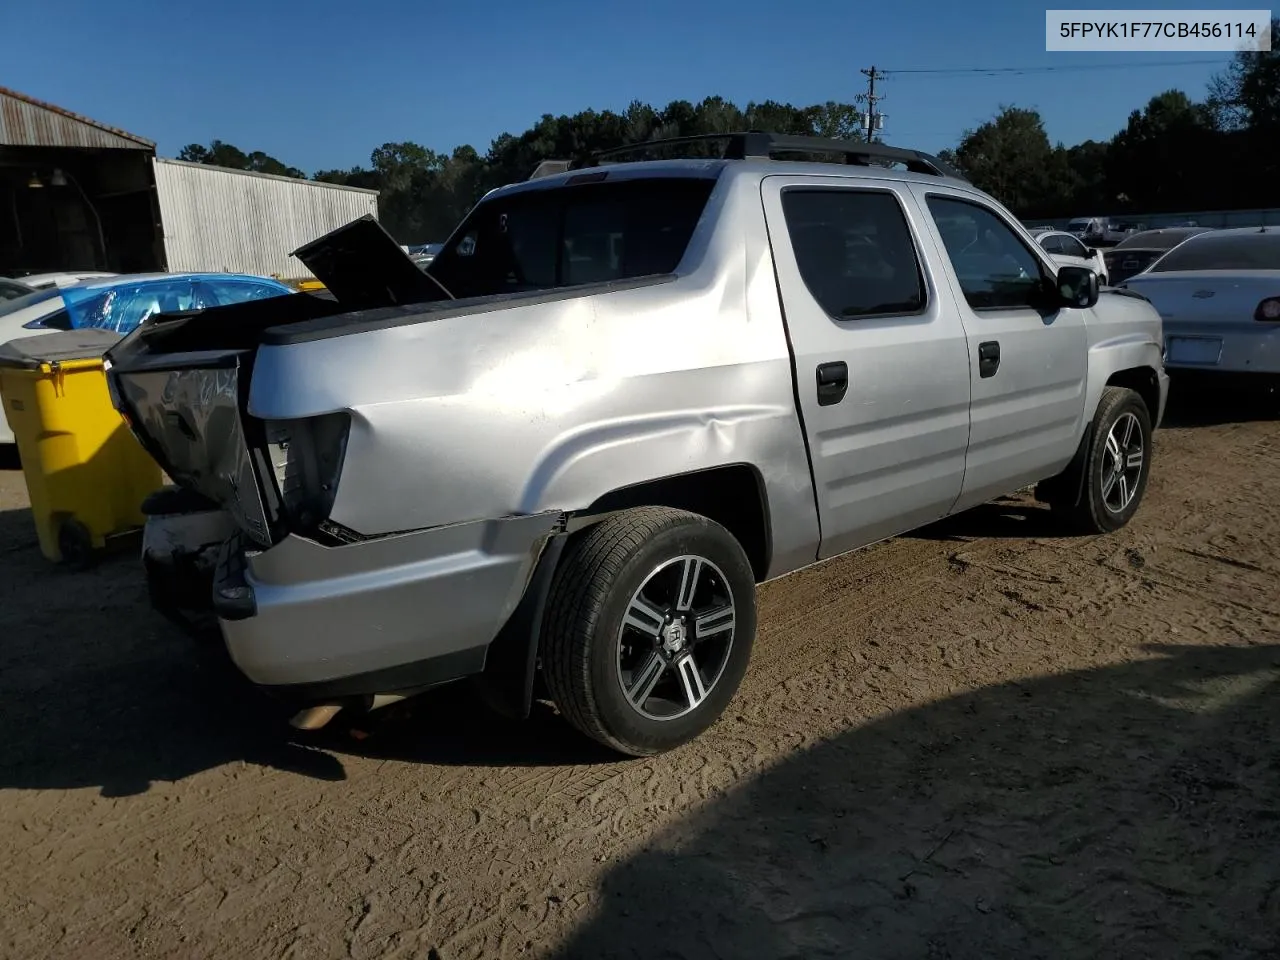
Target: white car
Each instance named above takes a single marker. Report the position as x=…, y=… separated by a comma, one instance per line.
x=1218, y=293
x=1066, y=250
x=46, y=281
x=30, y=315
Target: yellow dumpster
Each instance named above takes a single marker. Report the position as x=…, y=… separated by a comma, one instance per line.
x=86, y=474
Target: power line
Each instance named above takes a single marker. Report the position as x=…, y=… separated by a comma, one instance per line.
x=997, y=71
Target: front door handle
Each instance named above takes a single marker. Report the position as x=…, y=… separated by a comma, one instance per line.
x=988, y=358
x=833, y=382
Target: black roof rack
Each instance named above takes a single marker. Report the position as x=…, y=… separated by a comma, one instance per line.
x=755, y=145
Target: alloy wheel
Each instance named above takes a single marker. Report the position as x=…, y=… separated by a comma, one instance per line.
x=675, y=638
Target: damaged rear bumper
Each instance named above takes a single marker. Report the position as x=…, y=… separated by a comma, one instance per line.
x=401, y=613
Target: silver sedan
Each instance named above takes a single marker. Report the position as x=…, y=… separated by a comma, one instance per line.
x=1219, y=296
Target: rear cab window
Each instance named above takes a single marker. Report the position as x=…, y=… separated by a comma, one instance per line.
x=571, y=235
x=855, y=251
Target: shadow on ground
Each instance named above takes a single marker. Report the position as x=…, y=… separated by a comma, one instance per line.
x=1006, y=517
x=1127, y=811
x=1208, y=401
x=97, y=690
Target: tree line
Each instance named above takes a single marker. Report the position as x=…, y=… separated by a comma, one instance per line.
x=1174, y=154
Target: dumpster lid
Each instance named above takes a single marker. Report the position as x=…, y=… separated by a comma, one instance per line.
x=30, y=352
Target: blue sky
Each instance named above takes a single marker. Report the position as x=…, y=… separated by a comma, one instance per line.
x=320, y=84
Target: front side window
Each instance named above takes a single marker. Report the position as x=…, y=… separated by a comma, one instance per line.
x=995, y=269
x=566, y=236
x=1073, y=247
x=854, y=251
x=1051, y=244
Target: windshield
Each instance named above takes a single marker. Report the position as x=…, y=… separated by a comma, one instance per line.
x=1249, y=251
x=28, y=300
x=565, y=236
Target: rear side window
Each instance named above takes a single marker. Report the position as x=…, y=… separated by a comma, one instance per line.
x=28, y=300
x=1250, y=251
x=854, y=251
x=567, y=236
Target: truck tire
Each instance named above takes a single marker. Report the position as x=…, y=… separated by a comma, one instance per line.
x=649, y=627
x=1116, y=464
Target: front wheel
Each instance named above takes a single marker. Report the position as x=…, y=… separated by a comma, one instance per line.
x=649, y=628
x=1116, y=465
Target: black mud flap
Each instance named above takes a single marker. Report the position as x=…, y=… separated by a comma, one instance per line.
x=511, y=665
x=1067, y=489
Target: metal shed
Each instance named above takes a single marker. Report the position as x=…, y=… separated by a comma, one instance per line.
x=74, y=193
x=219, y=219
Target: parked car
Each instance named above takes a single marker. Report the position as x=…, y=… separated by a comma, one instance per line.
x=43, y=281
x=1218, y=293
x=12, y=289
x=121, y=302
x=575, y=456
x=1135, y=253
x=1066, y=249
x=1100, y=231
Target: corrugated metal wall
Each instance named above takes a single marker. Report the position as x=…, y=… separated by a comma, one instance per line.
x=219, y=219
x=27, y=122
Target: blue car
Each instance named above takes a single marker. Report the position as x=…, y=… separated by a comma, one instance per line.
x=121, y=303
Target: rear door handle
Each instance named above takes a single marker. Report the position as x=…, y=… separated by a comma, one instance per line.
x=833, y=382
x=988, y=358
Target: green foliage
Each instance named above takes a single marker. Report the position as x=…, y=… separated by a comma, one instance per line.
x=221, y=154
x=1174, y=154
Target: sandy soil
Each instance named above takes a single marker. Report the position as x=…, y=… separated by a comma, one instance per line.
x=982, y=741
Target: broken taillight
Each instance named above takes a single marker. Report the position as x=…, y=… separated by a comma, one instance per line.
x=306, y=459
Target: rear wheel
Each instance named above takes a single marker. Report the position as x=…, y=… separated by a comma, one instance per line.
x=1116, y=465
x=649, y=628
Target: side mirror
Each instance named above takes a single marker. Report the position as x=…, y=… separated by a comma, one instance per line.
x=1091, y=252
x=1078, y=287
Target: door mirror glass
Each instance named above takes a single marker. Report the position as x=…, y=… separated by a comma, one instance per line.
x=1078, y=287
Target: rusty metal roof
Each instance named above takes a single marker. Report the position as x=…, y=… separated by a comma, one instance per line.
x=27, y=122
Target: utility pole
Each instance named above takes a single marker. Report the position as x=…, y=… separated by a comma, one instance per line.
x=873, y=120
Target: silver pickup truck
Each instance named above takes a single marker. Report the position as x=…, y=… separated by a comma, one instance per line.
x=622, y=395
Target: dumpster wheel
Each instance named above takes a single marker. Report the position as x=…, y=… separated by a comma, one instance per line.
x=75, y=543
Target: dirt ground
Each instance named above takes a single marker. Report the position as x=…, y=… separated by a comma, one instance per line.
x=982, y=741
